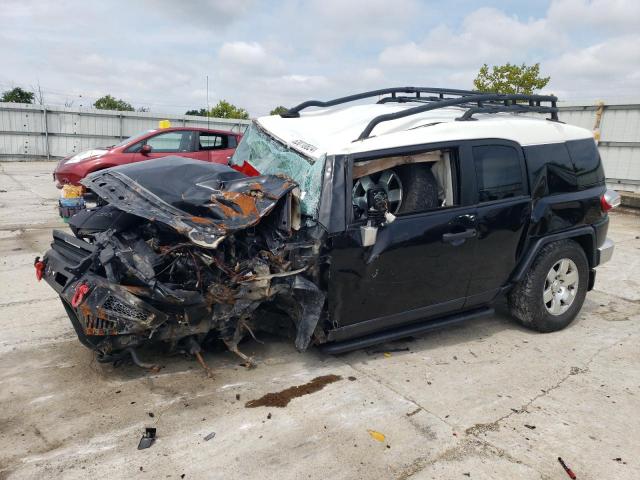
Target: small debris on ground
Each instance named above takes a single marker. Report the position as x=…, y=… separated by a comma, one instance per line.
x=269, y=416
x=377, y=435
x=411, y=414
x=530, y=427
x=567, y=469
x=210, y=436
x=352, y=379
x=148, y=438
x=151, y=414
x=237, y=396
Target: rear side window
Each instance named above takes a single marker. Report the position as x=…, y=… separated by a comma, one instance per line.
x=586, y=161
x=550, y=168
x=498, y=172
x=212, y=141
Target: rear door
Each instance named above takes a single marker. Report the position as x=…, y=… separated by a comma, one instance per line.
x=502, y=214
x=217, y=147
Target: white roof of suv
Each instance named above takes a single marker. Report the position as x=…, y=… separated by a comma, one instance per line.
x=334, y=130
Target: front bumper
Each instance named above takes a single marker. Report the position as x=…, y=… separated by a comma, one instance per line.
x=605, y=251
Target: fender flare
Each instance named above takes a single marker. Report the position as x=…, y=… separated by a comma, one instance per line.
x=531, y=253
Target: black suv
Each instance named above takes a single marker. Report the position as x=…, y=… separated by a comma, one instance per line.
x=343, y=227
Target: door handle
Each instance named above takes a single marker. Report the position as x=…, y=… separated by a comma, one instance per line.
x=459, y=238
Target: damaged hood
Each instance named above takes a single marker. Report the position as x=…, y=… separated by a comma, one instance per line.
x=204, y=201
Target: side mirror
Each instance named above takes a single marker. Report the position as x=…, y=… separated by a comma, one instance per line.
x=146, y=149
x=378, y=215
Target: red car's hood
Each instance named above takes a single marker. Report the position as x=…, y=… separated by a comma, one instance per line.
x=84, y=155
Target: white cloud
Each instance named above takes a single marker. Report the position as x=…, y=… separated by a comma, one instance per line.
x=619, y=16
x=609, y=68
x=361, y=19
x=201, y=13
x=487, y=35
x=248, y=58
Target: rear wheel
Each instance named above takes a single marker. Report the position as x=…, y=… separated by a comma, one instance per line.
x=552, y=292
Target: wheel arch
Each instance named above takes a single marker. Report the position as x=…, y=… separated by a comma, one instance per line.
x=584, y=236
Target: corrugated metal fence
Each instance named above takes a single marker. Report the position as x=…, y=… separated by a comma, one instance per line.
x=35, y=132
x=619, y=133
x=31, y=132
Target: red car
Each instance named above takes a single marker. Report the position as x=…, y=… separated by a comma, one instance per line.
x=200, y=143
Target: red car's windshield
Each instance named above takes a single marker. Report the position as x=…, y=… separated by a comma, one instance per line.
x=132, y=138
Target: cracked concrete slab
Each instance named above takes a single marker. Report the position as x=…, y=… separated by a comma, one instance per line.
x=485, y=400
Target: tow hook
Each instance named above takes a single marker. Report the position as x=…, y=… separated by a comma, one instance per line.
x=39, y=266
x=80, y=292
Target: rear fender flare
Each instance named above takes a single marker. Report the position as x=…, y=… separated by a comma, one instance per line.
x=585, y=236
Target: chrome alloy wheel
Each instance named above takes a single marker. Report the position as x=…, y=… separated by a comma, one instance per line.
x=560, y=286
x=388, y=180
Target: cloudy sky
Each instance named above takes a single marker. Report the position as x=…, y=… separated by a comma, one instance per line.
x=259, y=54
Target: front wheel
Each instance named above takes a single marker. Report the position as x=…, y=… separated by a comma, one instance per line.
x=552, y=292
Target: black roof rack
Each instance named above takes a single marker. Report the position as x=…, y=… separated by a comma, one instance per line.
x=474, y=102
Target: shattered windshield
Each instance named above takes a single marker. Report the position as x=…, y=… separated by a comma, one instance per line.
x=270, y=157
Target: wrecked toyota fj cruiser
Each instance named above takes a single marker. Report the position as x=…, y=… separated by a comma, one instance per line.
x=342, y=227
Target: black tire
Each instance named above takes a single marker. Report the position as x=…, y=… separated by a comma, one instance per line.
x=526, y=302
x=419, y=188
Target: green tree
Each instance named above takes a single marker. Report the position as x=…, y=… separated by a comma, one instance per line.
x=279, y=110
x=225, y=109
x=17, y=95
x=202, y=112
x=110, y=103
x=510, y=79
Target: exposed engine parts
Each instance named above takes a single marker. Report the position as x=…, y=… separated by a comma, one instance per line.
x=222, y=260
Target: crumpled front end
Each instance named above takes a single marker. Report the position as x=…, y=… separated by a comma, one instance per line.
x=211, y=254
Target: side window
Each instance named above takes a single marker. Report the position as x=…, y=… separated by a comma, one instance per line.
x=413, y=183
x=212, y=141
x=135, y=148
x=170, y=142
x=498, y=172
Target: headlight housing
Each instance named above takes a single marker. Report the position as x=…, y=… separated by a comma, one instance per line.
x=85, y=155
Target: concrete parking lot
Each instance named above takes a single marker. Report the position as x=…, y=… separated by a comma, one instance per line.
x=485, y=400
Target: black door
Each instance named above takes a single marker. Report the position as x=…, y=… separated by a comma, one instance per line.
x=420, y=266
x=502, y=215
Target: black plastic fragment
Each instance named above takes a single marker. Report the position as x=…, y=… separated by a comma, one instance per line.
x=148, y=438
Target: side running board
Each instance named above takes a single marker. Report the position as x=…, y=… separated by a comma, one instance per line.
x=403, y=332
